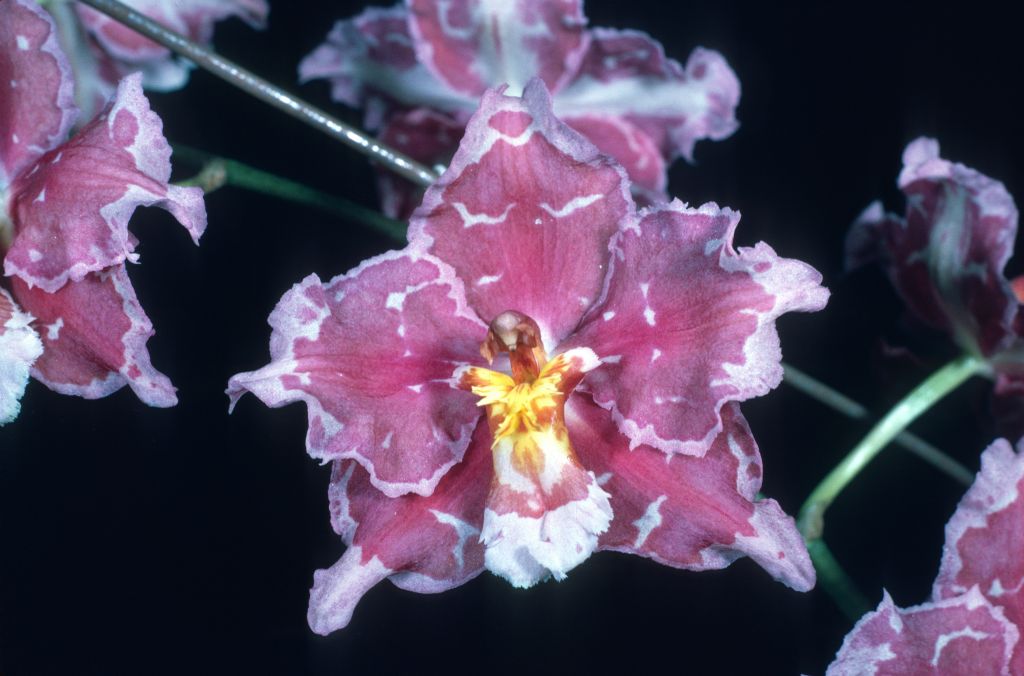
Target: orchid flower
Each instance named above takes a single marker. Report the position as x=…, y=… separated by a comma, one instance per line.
x=64, y=211
x=541, y=373
x=419, y=71
x=106, y=51
x=974, y=621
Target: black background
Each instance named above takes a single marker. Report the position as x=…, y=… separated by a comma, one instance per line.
x=138, y=540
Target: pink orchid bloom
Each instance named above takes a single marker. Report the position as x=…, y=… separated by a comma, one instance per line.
x=420, y=69
x=109, y=50
x=946, y=257
x=974, y=621
x=603, y=413
x=64, y=211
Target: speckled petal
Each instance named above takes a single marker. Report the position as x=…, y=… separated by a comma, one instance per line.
x=71, y=211
x=985, y=539
x=961, y=636
x=94, y=332
x=517, y=231
x=687, y=323
x=692, y=513
x=372, y=354
x=473, y=46
x=626, y=75
x=19, y=348
x=37, y=101
x=423, y=544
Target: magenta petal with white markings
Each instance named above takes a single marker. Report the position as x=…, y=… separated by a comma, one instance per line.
x=625, y=74
x=423, y=544
x=94, y=332
x=692, y=513
x=19, y=348
x=946, y=257
x=71, y=211
x=687, y=323
x=962, y=636
x=425, y=136
x=37, y=108
x=472, y=45
x=985, y=539
x=372, y=354
x=516, y=231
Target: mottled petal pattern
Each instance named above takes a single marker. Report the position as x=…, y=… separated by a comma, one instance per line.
x=625, y=74
x=372, y=353
x=94, y=332
x=19, y=348
x=687, y=323
x=946, y=257
x=473, y=45
x=71, y=211
x=692, y=513
x=425, y=136
x=985, y=539
x=514, y=229
x=37, y=104
x=961, y=636
x=423, y=544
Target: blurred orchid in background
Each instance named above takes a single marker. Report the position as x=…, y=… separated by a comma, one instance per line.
x=419, y=70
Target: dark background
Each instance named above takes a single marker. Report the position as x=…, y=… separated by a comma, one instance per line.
x=138, y=540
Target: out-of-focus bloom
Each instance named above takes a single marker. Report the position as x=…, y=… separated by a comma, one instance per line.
x=973, y=623
x=64, y=211
x=420, y=69
x=946, y=257
x=106, y=51
x=620, y=344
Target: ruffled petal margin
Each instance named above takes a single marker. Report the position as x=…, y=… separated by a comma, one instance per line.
x=372, y=354
x=19, y=348
x=686, y=323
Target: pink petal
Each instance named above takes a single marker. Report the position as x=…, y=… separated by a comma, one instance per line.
x=631, y=147
x=985, y=538
x=423, y=544
x=37, y=107
x=692, y=513
x=372, y=353
x=472, y=46
x=525, y=212
x=95, y=332
x=19, y=348
x=71, y=211
x=687, y=323
x=947, y=257
x=626, y=75
x=373, y=54
x=425, y=136
x=964, y=635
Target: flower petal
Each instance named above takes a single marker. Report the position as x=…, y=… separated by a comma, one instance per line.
x=692, y=513
x=19, y=348
x=37, y=108
x=473, y=46
x=625, y=74
x=71, y=212
x=525, y=212
x=95, y=332
x=946, y=258
x=985, y=538
x=961, y=635
x=425, y=136
x=631, y=147
x=373, y=54
x=372, y=353
x=423, y=544
x=687, y=323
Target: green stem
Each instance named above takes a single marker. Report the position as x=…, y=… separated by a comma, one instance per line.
x=850, y=408
x=219, y=171
x=836, y=582
x=920, y=399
